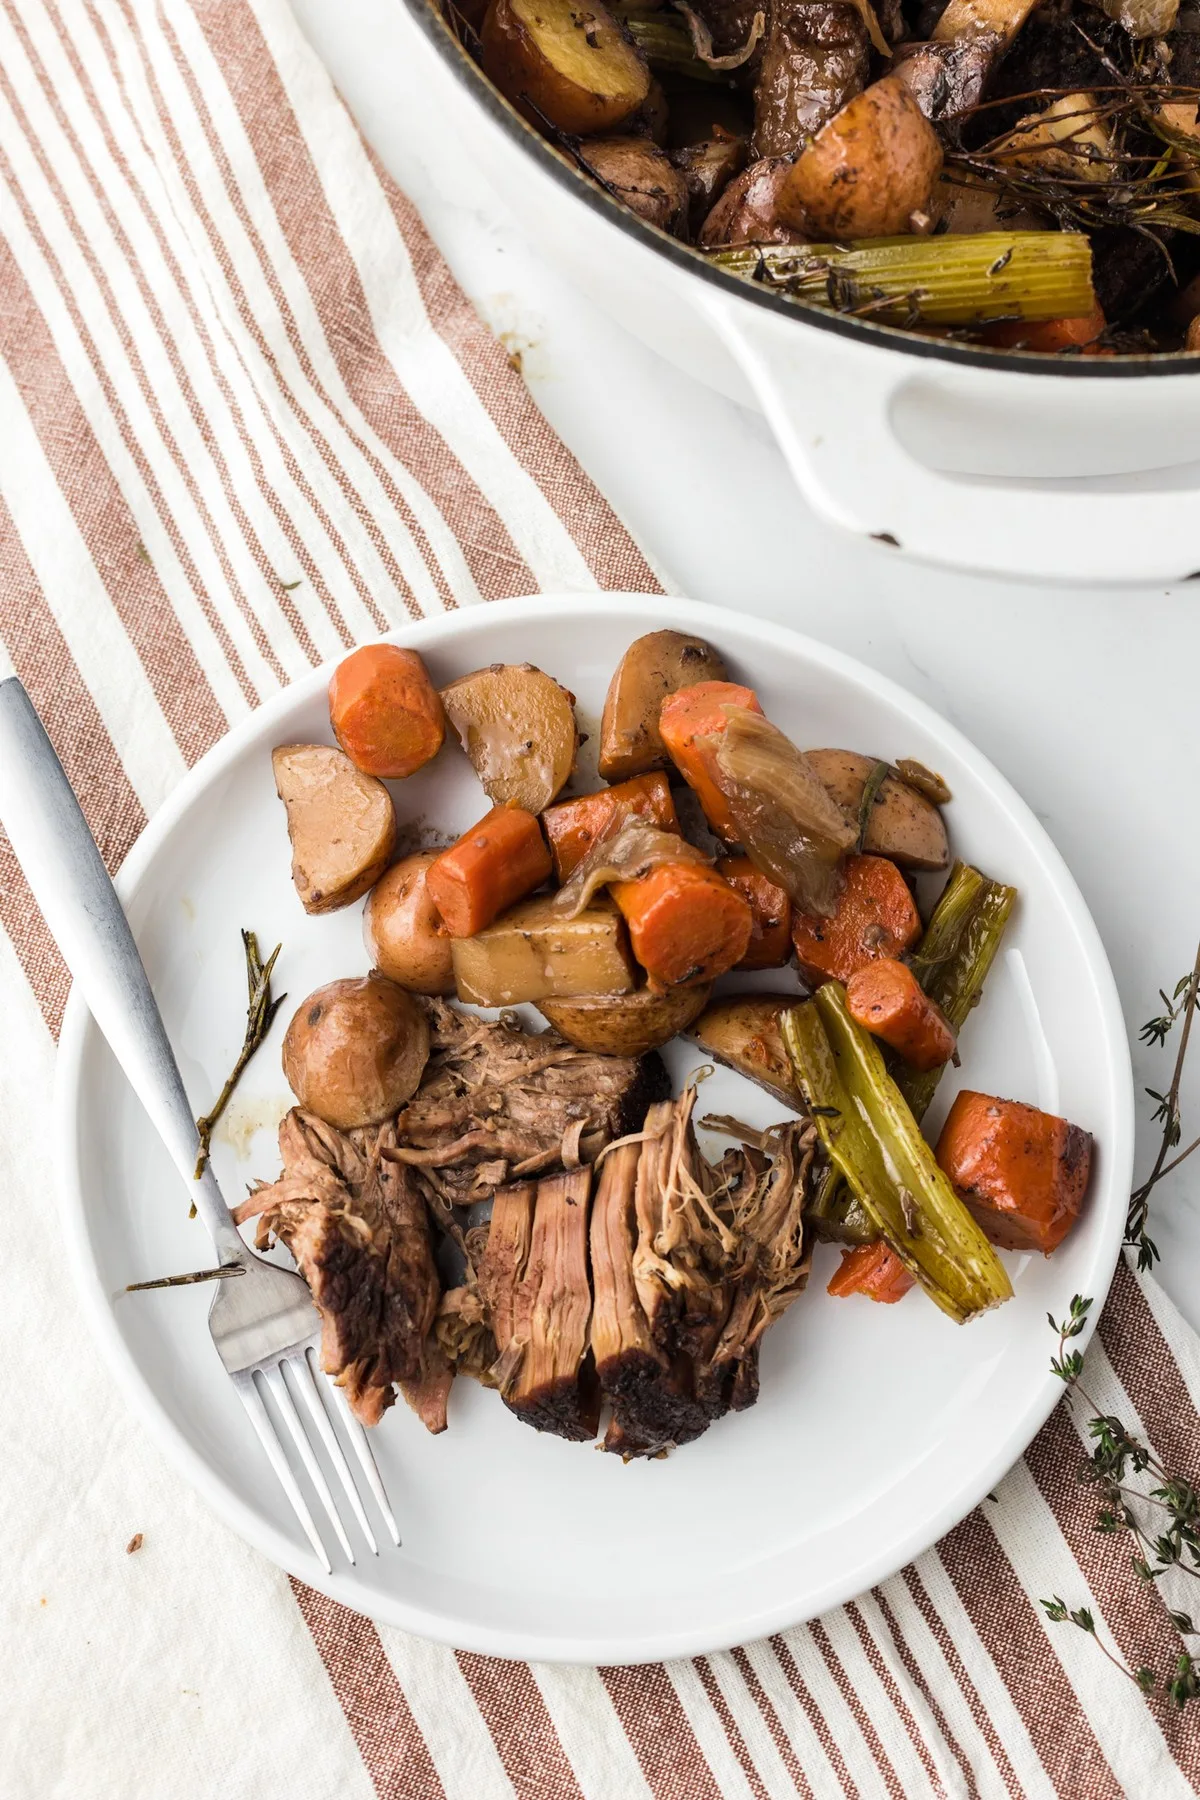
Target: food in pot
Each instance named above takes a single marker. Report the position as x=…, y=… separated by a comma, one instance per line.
x=355, y=1051
x=402, y=928
x=341, y=823
x=1024, y=177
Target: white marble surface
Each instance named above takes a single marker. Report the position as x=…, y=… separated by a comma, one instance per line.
x=1083, y=699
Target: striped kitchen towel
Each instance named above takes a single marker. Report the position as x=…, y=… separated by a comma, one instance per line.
x=246, y=418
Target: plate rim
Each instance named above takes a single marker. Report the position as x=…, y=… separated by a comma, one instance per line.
x=519, y=1642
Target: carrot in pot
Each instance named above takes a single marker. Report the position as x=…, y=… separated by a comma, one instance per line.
x=494, y=864
x=876, y=917
x=689, y=718
x=887, y=1000
x=873, y=1270
x=1023, y=1173
x=1051, y=334
x=686, y=925
x=385, y=712
x=573, y=826
x=771, y=912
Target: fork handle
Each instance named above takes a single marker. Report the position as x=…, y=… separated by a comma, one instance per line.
x=71, y=885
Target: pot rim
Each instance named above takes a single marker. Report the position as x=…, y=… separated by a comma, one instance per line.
x=886, y=337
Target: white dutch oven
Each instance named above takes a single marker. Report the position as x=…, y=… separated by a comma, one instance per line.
x=1054, y=469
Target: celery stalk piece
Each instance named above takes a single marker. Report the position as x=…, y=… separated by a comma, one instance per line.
x=952, y=960
x=869, y=1132
x=963, y=279
x=665, y=42
x=834, y=1213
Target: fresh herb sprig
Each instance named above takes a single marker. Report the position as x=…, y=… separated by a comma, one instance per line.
x=1179, y=1009
x=1163, y=1520
x=260, y=1015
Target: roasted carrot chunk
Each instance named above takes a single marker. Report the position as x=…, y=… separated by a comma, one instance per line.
x=687, y=721
x=686, y=925
x=770, y=933
x=1050, y=334
x=385, y=712
x=1022, y=1172
x=574, y=825
x=873, y=1270
x=887, y=1000
x=494, y=864
x=876, y=916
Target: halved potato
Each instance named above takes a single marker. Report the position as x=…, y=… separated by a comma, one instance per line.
x=743, y=1033
x=532, y=952
x=635, y=171
x=517, y=725
x=867, y=171
x=654, y=666
x=904, y=825
x=571, y=64
x=625, y=1024
x=341, y=822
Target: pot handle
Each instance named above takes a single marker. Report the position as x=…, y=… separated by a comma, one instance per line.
x=829, y=402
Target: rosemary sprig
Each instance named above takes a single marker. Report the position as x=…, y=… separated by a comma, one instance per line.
x=260, y=1015
x=165, y=1281
x=1181, y=1006
x=1163, y=1520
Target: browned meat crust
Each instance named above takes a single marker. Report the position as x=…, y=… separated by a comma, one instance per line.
x=357, y=1227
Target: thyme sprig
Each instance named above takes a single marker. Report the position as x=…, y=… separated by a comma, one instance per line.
x=1162, y=1520
x=1179, y=1009
x=260, y=1015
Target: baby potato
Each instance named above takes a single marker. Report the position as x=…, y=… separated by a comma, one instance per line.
x=867, y=171
x=653, y=667
x=517, y=725
x=642, y=176
x=402, y=930
x=573, y=64
x=904, y=825
x=341, y=822
x=355, y=1051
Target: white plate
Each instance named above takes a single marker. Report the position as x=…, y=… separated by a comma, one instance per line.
x=877, y=1428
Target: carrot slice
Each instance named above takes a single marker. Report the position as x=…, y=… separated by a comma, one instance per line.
x=385, y=712
x=1051, y=334
x=698, y=713
x=771, y=910
x=874, y=1270
x=876, y=916
x=686, y=925
x=494, y=864
x=887, y=1000
x=1022, y=1172
x=574, y=825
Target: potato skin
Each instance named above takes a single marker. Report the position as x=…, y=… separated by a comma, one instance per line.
x=708, y=168
x=626, y=1024
x=867, y=171
x=341, y=823
x=743, y=1032
x=641, y=176
x=904, y=826
x=517, y=725
x=654, y=666
x=355, y=1051
x=402, y=931
x=748, y=210
x=523, y=52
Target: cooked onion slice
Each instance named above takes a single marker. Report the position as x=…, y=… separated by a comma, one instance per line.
x=790, y=827
x=624, y=853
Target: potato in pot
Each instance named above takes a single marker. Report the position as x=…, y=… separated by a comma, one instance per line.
x=355, y=1051
x=573, y=65
x=635, y=171
x=402, y=931
x=868, y=171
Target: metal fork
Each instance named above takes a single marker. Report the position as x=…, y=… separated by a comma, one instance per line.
x=263, y=1322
